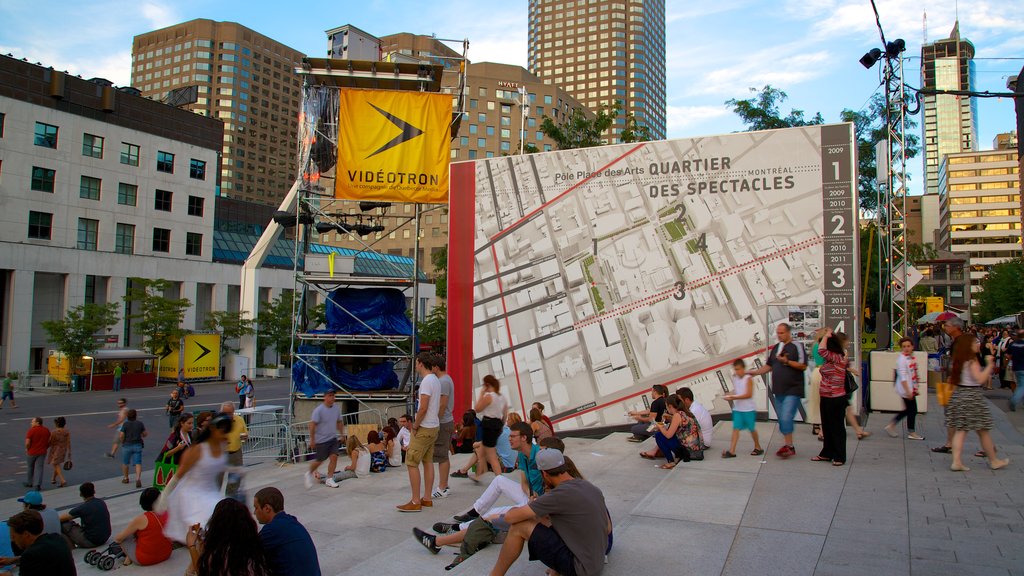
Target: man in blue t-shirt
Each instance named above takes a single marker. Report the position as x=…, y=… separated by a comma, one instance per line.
x=287, y=543
x=1016, y=351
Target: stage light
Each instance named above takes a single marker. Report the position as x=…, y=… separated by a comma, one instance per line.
x=288, y=220
x=367, y=206
x=895, y=48
x=868, y=59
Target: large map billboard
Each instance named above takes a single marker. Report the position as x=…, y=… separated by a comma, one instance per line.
x=581, y=278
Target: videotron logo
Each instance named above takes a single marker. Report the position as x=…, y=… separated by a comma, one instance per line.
x=393, y=146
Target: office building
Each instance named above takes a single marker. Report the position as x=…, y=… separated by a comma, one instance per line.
x=406, y=47
x=601, y=51
x=350, y=43
x=950, y=122
x=980, y=213
x=1005, y=141
x=923, y=219
x=227, y=71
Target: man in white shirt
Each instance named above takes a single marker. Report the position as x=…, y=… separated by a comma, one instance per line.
x=424, y=432
x=707, y=430
x=404, y=435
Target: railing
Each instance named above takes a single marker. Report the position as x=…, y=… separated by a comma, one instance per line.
x=268, y=432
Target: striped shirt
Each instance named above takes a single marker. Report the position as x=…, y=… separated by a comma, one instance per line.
x=833, y=374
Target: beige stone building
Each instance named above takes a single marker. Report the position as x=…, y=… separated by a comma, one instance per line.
x=980, y=213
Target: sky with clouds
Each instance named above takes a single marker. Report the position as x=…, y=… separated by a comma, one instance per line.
x=715, y=50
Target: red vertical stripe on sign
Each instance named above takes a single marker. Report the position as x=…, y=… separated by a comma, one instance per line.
x=461, y=234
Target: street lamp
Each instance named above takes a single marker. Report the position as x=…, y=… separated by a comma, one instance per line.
x=524, y=108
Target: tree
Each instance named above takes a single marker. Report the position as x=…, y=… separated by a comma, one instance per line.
x=1001, y=292
x=440, y=261
x=435, y=327
x=231, y=325
x=762, y=111
x=870, y=128
x=921, y=252
x=869, y=266
x=275, y=325
x=74, y=335
x=578, y=131
x=157, y=317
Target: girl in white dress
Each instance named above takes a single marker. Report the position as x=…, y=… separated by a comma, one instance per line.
x=195, y=490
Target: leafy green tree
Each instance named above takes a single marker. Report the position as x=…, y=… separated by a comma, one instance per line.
x=439, y=259
x=921, y=252
x=579, y=131
x=435, y=327
x=74, y=335
x=274, y=325
x=870, y=129
x=869, y=266
x=1001, y=292
x=231, y=325
x=762, y=111
x=155, y=316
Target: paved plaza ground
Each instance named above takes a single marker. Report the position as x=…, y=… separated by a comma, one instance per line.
x=895, y=508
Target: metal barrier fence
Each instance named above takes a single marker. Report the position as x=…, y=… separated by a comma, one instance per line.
x=268, y=432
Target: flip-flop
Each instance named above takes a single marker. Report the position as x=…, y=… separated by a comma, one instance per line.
x=646, y=456
x=756, y=452
x=667, y=466
x=820, y=459
x=837, y=463
x=727, y=454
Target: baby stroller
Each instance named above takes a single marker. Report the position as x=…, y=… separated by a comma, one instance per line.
x=110, y=559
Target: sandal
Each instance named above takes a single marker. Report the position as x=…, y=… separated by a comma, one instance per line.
x=124, y=480
x=646, y=456
x=816, y=429
x=668, y=466
x=820, y=459
x=838, y=463
x=756, y=452
x=727, y=454
x=979, y=454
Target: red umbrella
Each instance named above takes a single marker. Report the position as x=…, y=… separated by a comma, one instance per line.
x=945, y=316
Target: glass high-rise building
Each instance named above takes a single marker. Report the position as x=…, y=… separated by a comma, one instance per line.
x=950, y=122
x=601, y=51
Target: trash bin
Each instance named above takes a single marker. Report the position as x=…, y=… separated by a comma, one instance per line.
x=74, y=382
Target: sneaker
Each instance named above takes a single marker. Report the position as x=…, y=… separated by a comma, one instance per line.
x=786, y=452
x=468, y=516
x=942, y=449
x=460, y=474
x=914, y=436
x=108, y=454
x=409, y=507
x=330, y=483
x=441, y=493
x=890, y=429
x=308, y=479
x=445, y=528
x=428, y=540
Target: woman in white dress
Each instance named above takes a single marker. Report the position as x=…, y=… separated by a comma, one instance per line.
x=195, y=490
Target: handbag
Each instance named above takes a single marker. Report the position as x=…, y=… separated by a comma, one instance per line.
x=68, y=465
x=165, y=470
x=850, y=384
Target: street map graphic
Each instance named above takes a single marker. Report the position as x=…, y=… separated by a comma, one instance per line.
x=600, y=272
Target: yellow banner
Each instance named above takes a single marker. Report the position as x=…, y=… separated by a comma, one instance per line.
x=393, y=146
x=202, y=356
x=168, y=362
x=933, y=304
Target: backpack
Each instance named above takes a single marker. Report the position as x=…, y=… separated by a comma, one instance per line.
x=190, y=391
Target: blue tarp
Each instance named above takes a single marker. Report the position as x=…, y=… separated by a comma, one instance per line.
x=309, y=381
x=379, y=377
x=382, y=309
